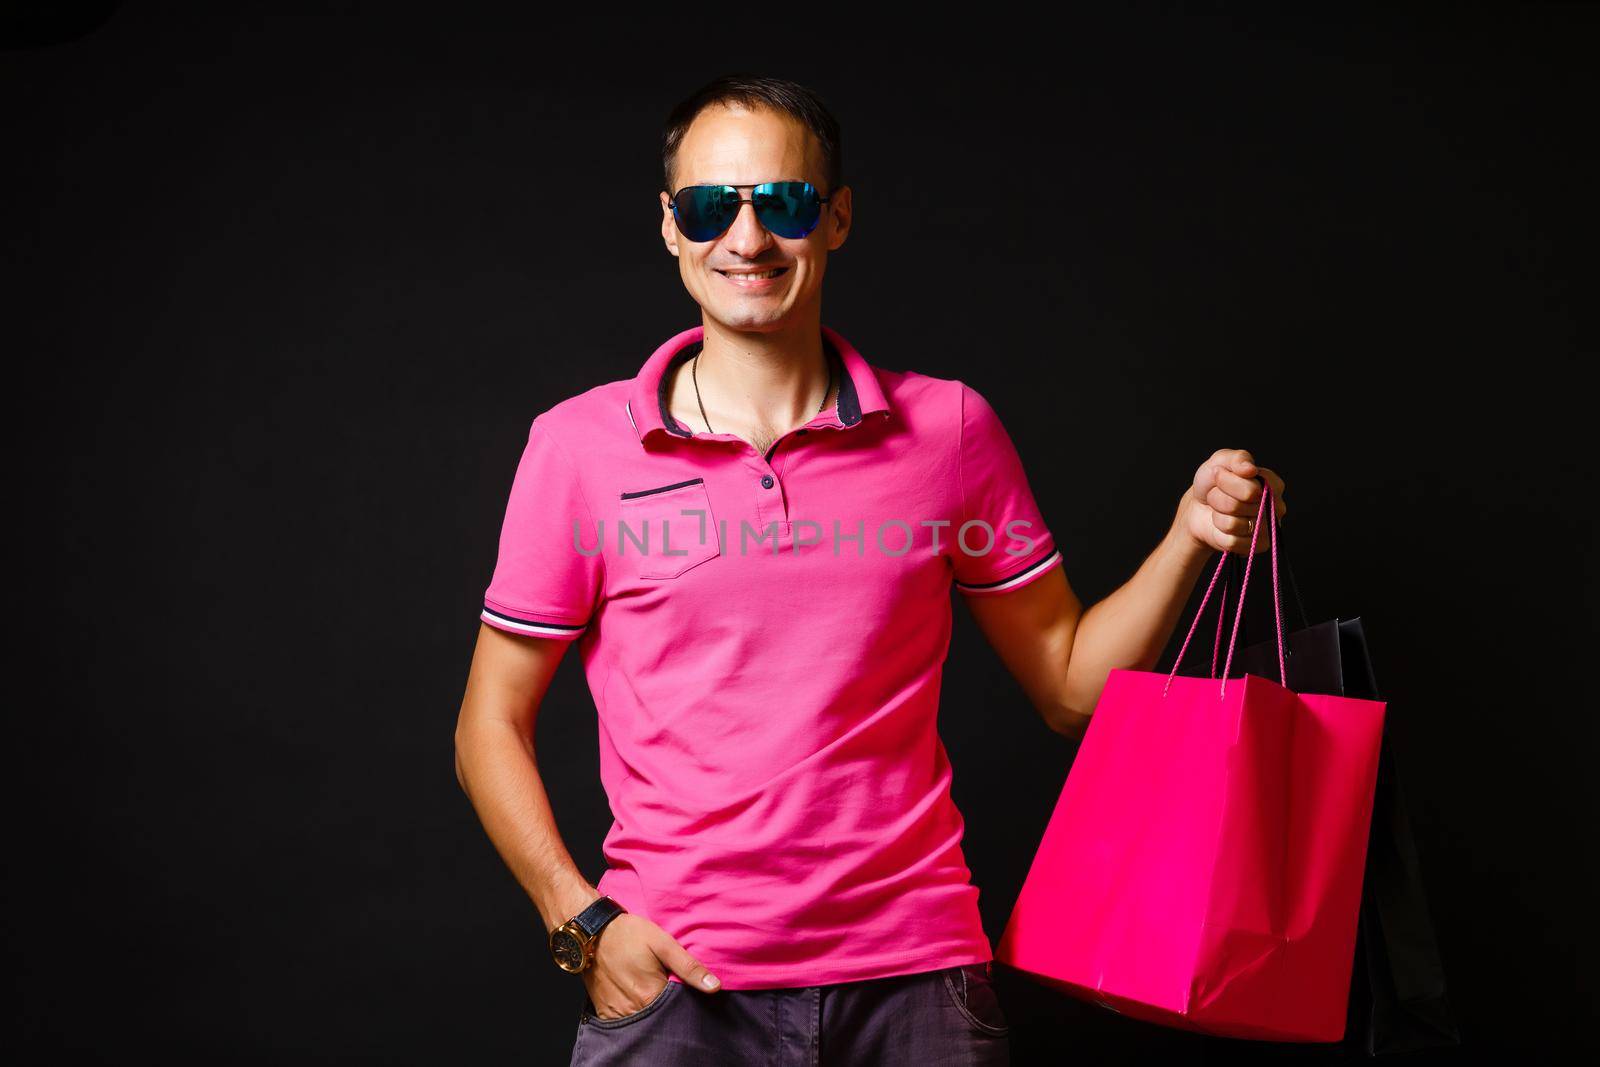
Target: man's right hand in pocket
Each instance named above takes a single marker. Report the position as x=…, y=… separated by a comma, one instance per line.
x=631, y=966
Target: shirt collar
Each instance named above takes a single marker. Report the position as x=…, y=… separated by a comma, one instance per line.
x=859, y=391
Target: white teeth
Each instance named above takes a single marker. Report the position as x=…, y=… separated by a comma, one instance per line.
x=763, y=274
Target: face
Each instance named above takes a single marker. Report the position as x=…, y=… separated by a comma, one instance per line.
x=735, y=146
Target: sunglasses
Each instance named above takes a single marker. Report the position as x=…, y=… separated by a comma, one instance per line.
x=788, y=209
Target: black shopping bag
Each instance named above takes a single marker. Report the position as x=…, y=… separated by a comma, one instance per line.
x=1397, y=989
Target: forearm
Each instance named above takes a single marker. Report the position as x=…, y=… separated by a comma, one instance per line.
x=498, y=770
x=1129, y=628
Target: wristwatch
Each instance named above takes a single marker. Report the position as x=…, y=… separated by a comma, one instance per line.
x=573, y=942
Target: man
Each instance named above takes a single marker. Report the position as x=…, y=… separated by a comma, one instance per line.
x=752, y=542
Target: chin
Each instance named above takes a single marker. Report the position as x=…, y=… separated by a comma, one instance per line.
x=749, y=320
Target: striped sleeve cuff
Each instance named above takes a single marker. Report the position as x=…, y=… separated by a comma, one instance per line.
x=501, y=619
x=1028, y=572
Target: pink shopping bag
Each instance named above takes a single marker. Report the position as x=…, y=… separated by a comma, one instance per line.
x=1203, y=866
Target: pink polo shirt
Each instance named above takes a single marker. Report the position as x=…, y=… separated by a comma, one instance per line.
x=767, y=680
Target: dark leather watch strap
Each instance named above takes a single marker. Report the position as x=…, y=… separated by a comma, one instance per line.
x=592, y=920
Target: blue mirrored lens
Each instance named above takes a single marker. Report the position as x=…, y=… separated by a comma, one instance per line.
x=788, y=209
x=704, y=211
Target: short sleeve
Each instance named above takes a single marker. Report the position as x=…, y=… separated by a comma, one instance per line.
x=1002, y=542
x=547, y=578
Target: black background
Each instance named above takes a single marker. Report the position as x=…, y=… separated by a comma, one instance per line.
x=286, y=291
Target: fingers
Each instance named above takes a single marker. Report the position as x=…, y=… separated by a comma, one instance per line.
x=1234, y=522
x=1229, y=469
x=677, y=960
x=1235, y=525
x=1235, y=494
x=615, y=995
x=1238, y=539
x=1230, y=485
x=1205, y=476
x=1279, y=508
x=1273, y=480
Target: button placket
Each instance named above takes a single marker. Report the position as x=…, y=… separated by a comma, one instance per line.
x=770, y=503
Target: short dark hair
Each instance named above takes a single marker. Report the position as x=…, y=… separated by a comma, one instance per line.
x=753, y=91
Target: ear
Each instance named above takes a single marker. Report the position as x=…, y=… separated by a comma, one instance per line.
x=669, y=225
x=839, y=212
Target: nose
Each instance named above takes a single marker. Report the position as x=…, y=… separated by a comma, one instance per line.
x=747, y=236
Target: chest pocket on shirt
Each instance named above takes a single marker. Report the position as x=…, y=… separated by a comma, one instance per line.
x=655, y=517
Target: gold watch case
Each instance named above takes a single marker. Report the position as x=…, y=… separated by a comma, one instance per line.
x=572, y=948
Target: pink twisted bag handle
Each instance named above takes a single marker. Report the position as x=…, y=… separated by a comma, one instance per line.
x=1264, y=509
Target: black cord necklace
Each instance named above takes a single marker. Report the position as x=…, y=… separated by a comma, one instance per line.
x=694, y=366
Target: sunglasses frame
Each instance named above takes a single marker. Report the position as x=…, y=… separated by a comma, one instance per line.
x=673, y=202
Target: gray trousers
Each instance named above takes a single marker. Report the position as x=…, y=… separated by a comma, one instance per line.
x=944, y=1018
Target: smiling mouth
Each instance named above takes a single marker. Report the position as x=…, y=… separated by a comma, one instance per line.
x=746, y=275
